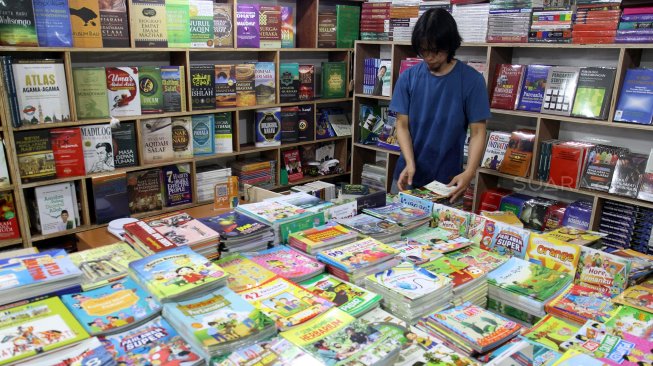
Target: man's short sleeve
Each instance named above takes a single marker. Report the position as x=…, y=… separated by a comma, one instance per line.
x=401, y=95
x=477, y=103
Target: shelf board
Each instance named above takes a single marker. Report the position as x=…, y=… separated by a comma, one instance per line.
x=10, y=242
x=165, y=49
x=577, y=120
x=369, y=96
x=310, y=179
x=376, y=148
x=78, y=229
x=524, y=45
x=7, y=188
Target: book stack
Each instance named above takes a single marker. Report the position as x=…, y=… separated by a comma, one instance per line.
x=218, y=322
x=273, y=214
x=181, y=229
x=472, y=21
x=145, y=240
x=33, y=275
x=375, y=21
x=255, y=172
x=425, y=5
x=354, y=300
x=288, y=263
x=353, y=262
x=411, y=292
x=469, y=282
x=373, y=175
x=509, y=21
x=596, y=21
x=275, y=351
x=469, y=329
x=239, y=233
x=579, y=304
x=303, y=200
x=522, y=289
x=551, y=26
x=415, y=252
x=177, y=274
x=104, y=264
x=635, y=25
x=627, y=226
x=441, y=240
x=322, y=190
x=403, y=16
x=641, y=264
x=400, y=214
x=206, y=177
x=89, y=349
x=320, y=238
x=374, y=227
x=244, y=273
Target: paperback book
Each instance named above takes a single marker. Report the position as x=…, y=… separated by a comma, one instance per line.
x=202, y=87
x=533, y=87
x=579, y=304
x=495, y=150
x=156, y=140
x=352, y=299
x=552, y=253
x=41, y=91
x=361, y=254
x=288, y=263
x=57, y=207
x=123, y=91
x=244, y=274
x=635, y=100
x=602, y=272
x=560, y=90
x=594, y=92
x=104, y=264
x=529, y=280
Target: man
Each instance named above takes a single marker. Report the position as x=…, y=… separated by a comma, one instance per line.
x=104, y=152
x=436, y=101
x=378, y=85
x=65, y=224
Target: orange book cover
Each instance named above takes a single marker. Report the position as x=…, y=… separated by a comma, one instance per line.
x=519, y=154
x=226, y=194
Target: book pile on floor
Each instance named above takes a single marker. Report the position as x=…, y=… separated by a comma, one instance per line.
x=206, y=177
x=319, y=238
x=411, y=292
x=239, y=233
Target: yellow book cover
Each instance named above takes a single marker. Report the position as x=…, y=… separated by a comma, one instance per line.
x=244, y=273
x=318, y=328
x=639, y=297
x=149, y=24
x=507, y=217
x=574, y=236
x=553, y=253
x=85, y=23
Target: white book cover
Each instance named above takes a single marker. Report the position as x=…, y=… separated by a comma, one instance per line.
x=98, y=148
x=387, y=76
x=5, y=181
x=495, y=150
x=41, y=91
x=157, y=141
x=56, y=206
x=182, y=138
x=123, y=91
x=340, y=124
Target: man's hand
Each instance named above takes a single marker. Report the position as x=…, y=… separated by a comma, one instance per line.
x=406, y=177
x=461, y=181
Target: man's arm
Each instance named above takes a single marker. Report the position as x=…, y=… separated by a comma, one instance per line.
x=406, y=145
x=475, y=154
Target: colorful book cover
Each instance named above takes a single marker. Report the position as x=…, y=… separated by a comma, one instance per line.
x=148, y=23
x=505, y=90
x=506, y=217
x=552, y=253
x=144, y=190
x=574, y=236
x=416, y=252
x=638, y=296
x=120, y=304
x=441, y=239
x=508, y=240
x=247, y=26
x=268, y=127
x=225, y=86
x=459, y=272
x=306, y=82
x=37, y=327
x=245, y=85
x=532, y=90
x=103, y=264
x=31, y=269
x=583, y=303
x=601, y=271
x=409, y=280
x=497, y=144
x=265, y=82
x=41, y=91
x=270, y=212
x=153, y=342
x=8, y=222
x=223, y=25
x=151, y=89
x=276, y=351
x=123, y=91
x=173, y=83
x=451, y=219
x=574, y=358
x=594, y=92
x=560, y=90
x=519, y=154
x=635, y=99
x=234, y=224
x=348, y=297
x=244, y=274
x=528, y=279
x=177, y=188
x=286, y=303
x=478, y=258
x=203, y=134
x=52, y=23
x=398, y=213
x=182, y=229
x=90, y=96
x=369, y=225
x=175, y=271
x=551, y=332
x=630, y=320
x=68, y=152
x=88, y=352
x=601, y=164
x=201, y=24
x=182, y=142
x=223, y=133
x=202, y=87
x=310, y=239
x=287, y=262
x=308, y=221
x=17, y=26
x=287, y=27
x=85, y=20
x=57, y=208
x=360, y=254
x=270, y=26
x=114, y=22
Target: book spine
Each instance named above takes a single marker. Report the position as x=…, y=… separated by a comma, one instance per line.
x=637, y=18
x=9, y=81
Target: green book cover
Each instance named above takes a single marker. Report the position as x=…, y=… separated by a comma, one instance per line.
x=151, y=89
x=551, y=332
x=594, y=92
x=507, y=310
x=632, y=321
x=201, y=24
x=223, y=133
x=348, y=297
x=17, y=26
x=528, y=279
x=289, y=82
x=334, y=75
x=347, y=23
x=304, y=223
x=178, y=19
x=90, y=96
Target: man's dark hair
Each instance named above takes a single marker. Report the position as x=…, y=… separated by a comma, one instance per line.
x=64, y=212
x=383, y=67
x=436, y=30
x=106, y=145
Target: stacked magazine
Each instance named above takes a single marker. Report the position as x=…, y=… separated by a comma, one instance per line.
x=411, y=292
x=400, y=214
x=288, y=263
x=181, y=229
x=273, y=214
x=319, y=238
x=239, y=233
x=373, y=227
x=219, y=322
x=469, y=282
x=353, y=262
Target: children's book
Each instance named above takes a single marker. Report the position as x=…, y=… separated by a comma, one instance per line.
x=410, y=281
x=580, y=303
x=576, y=358
x=104, y=264
x=270, y=212
x=521, y=351
x=312, y=239
x=287, y=263
x=369, y=225
x=630, y=320
x=37, y=327
x=450, y=218
x=176, y=272
x=338, y=339
x=111, y=308
x=507, y=217
x=233, y=224
x=601, y=271
x=276, y=351
x=182, y=229
x=551, y=332
x=638, y=296
x=244, y=273
x=574, y=235
x=416, y=252
x=86, y=353
x=360, y=254
x=479, y=258
x=459, y=272
x=398, y=213
x=155, y=342
x=352, y=299
x=32, y=269
x=552, y=253
x=286, y=303
x=508, y=240
x=528, y=279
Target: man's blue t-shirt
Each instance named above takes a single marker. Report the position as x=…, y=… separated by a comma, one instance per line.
x=439, y=110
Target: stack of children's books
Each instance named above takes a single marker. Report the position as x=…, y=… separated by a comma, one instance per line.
x=469, y=329
x=181, y=229
x=521, y=289
x=603, y=272
x=411, y=292
x=33, y=275
x=442, y=240
x=353, y=262
x=352, y=299
x=177, y=274
x=276, y=351
x=303, y=200
x=288, y=263
x=551, y=332
x=243, y=273
x=239, y=233
x=324, y=237
x=469, y=282
x=416, y=252
x=145, y=240
x=400, y=214
x=219, y=322
x=273, y=214
x=85, y=353
x=113, y=308
x=579, y=304
x=373, y=227
x=104, y=264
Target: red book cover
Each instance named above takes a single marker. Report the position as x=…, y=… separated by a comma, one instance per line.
x=554, y=215
x=68, y=152
x=507, y=82
x=293, y=163
x=566, y=163
x=491, y=199
x=519, y=154
x=8, y=222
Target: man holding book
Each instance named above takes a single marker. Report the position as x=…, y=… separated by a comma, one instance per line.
x=436, y=101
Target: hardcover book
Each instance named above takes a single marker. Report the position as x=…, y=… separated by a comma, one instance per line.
x=293, y=165
x=289, y=82
x=326, y=29
x=150, y=86
x=223, y=25
x=268, y=127
x=68, y=152
x=594, y=92
x=35, y=156
x=202, y=87
x=601, y=164
x=505, y=90
x=225, y=86
x=91, y=97
x=602, y=272
x=182, y=142
x=8, y=222
x=265, y=83
x=636, y=98
x=144, y=191
x=123, y=93
x=628, y=174
x=52, y=23
x=86, y=23
x=270, y=26
x=334, y=82
x=347, y=25
x=223, y=133
x=178, y=23
x=114, y=23
x=177, y=188
x=533, y=87
x=244, y=274
x=307, y=82
x=41, y=91
x=57, y=207
x=519, y=154
x=124, y=145
x=17, y=26
x=287, y=262
x=245, y=85
x=247, y=26
x=110, y=199
x=560, y=90
x=97, y=145
x=495, y=150
x=156, y=139
x=148, y=23
x=203, y=134
x=173, y=83
x=201, y=24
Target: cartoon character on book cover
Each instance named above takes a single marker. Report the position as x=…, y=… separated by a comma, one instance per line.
x=450, y=219
x=630, y=320
x=586, y=303
x=233, y=325
x=602, y=271
x=244, y=274
x=336, y=291
x=233, y=224
x=509, y=241
x=551, y=332
x=478, y=258
x=286, y=262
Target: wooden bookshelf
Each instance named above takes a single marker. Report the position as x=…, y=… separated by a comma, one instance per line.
x=547, y=126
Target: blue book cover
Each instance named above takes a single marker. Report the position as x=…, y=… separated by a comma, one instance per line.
x=204, y=134
x=153, y=343
x=120, y=304
x=509, y=240
x=636, y=98
x=53, y=23
x=416, y=202
x=233, y=224
x=533, y=86
x=514, y=203
x=31, y=269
